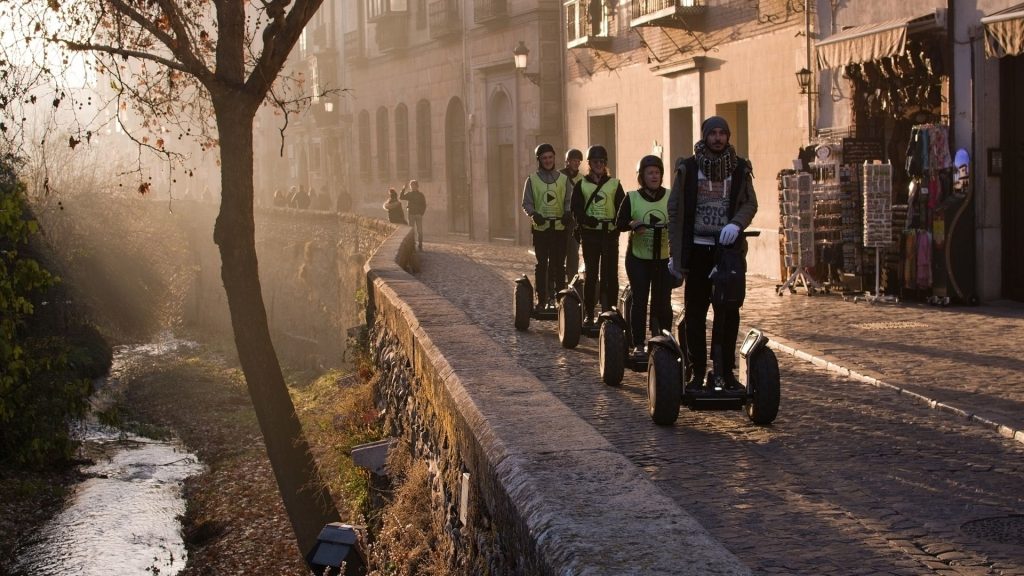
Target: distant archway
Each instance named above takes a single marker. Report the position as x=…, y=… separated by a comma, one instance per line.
x=501, y=183
x=459, y=205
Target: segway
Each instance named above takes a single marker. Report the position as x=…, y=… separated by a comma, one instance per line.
x=615, y=333
x=522, y=301
x=670, y=369
x=614, y=336
x=569, y=302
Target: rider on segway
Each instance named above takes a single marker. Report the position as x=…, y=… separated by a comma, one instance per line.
x=711, y=203
x=644, y=214
x=546, y=202
x=595, y=202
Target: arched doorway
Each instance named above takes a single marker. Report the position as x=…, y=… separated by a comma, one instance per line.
x=501, y=183
x=459, y=205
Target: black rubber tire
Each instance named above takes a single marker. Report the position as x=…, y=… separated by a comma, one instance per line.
x=570, y=322
x=664, y=386
x=522, y=303
x=763, y=373
x=611, y=353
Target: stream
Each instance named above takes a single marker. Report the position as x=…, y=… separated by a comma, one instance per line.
x=124, y=517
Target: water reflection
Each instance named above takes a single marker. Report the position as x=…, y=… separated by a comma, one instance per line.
x=124, y=519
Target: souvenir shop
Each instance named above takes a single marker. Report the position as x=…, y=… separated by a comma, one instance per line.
x=874, y=208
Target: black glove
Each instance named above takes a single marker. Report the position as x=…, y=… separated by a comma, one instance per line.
x=591, y=221
x=567, y=218
x=538, y=219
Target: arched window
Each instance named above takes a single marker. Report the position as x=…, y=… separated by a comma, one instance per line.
x=424, y=156
x=402, y=141
x=383, y=142
x=363, y=154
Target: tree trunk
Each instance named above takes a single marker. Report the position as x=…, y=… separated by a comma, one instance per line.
x=306, y=499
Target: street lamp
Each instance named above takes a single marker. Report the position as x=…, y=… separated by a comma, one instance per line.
x=803, y=78
x=520, y=54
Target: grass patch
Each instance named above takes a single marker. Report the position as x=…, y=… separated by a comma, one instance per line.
x=337, y=414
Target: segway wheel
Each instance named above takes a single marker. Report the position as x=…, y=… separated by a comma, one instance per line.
x=664, y=386
x=611, y=353
x=570, y=322
x=763, y=372
x=523, y=301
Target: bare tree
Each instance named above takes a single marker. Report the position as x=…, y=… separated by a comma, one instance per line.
x=200, y=69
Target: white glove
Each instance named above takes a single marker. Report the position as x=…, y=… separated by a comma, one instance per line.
x=729, y=234
x=677, y=274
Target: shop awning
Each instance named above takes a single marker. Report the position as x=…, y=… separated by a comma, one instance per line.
x=1004, y=32
x=869, y=42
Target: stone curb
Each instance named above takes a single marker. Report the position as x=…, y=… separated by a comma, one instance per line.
x=833, y=365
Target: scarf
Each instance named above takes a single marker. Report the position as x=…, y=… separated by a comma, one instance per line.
x=715, y=166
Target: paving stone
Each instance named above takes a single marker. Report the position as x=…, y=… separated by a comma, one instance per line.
x=853, y=477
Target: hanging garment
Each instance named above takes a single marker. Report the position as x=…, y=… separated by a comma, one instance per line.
x=934, y=192
x=914, y=151
x=924, y=259
x=938, y=148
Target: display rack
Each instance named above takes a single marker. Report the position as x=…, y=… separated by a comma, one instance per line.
x=797, y=209
x=876, y=183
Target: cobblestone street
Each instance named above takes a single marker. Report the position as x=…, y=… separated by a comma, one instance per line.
x=851, y=478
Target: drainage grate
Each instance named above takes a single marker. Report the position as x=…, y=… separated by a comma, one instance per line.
x=890, y=325
x=1001, y=529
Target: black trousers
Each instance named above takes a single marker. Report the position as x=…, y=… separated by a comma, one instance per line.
x=549, y=274
x=697, y=299
x=649, y=278
x=601, y=259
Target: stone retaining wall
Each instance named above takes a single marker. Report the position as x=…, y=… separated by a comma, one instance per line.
x=521, y=484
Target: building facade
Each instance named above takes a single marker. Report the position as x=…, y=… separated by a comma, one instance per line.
x=430, y=92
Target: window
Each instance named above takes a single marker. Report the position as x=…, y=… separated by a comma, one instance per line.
x=383, y=144
x=424, y=158
x=402, y=141
x=363, y=153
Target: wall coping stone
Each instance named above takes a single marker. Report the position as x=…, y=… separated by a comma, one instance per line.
x=587, y=508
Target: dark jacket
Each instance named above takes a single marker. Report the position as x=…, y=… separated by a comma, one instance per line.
x=682, y=204
x=416, y=202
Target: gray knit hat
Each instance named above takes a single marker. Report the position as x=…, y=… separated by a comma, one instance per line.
x=710, y=124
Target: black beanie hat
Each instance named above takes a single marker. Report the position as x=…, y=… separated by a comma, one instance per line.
x=710, y=124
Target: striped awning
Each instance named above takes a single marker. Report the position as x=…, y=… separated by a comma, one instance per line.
x=1004, y=32
x=869, y=42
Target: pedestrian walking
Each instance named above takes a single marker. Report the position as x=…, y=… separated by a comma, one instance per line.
x=416, y=206
x=396, y=214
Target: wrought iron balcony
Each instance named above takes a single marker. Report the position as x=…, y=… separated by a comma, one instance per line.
x=355, y=46
x=445, y=18
x=586, y=24
x=489, y=10
x=666, y=13
x=391, y=34
x=385, y=10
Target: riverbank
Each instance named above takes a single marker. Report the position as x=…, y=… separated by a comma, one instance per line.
x=235, y=522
